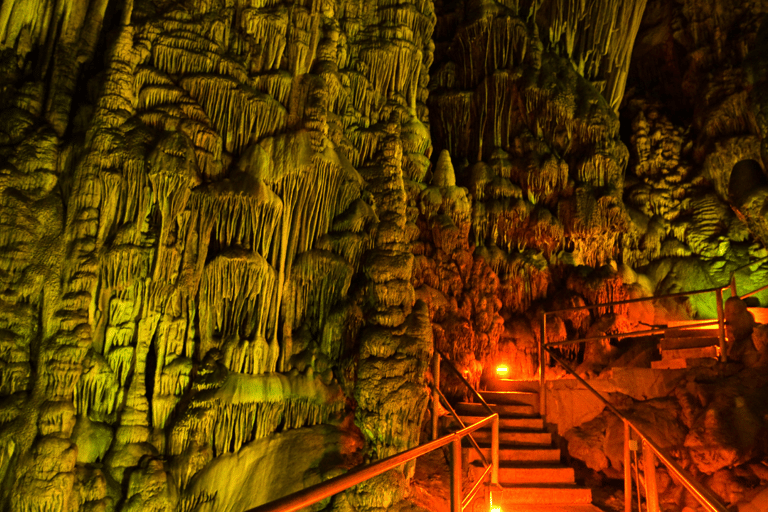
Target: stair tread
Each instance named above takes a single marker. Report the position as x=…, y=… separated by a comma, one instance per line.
x=531, y=464
x=518, y=422
x=680, y=363
x=689, y=352
x=508, y=429
x=543, y=494
x=508, y=394
x=515, y=446
x=692, y=342
x=544, y=485
x=504, y=417
x=530, y=507
x=503, y=410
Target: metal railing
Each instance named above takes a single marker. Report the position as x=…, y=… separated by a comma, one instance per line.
x=544, y=346
x=651, y=452
x=316, y=493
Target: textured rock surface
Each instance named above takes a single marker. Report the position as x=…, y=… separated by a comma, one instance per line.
x=195, y=232
x=224, y=229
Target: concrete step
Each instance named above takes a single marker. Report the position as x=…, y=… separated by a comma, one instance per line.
x=520, y=422
x=496, y=384
x=760, y=314
x=511, y=397
x=472, y=409
x=676, y=364
x=675, y=343
x=530, y=473
x=689, y=353
x=512, y=453
x=708, y=330
x=562, y=507
x=516, y=437
x=542, y=494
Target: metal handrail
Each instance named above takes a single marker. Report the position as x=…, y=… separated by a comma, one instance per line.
x=754, y=292
x=465, y=381
x=639, y=299
x=542, y=345
x=633, y=334
x=316, y=493
x=437, y=358
x=462, y=425
x=321, y=491
x=703, y=495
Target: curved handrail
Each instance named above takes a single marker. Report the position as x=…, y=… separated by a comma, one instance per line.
x=648, y=332
x=543, y=344
x=466, y=383
x=494, y=465
x=639, y=299
x=704, y=496
x=323, y=490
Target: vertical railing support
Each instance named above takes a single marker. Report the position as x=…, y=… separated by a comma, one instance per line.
x=495, y=450
x=651, y=491
x=542, y=368
x=732, y=284
x=456, y=475
x=435, y=394
x=627, y=470
x=721, y=324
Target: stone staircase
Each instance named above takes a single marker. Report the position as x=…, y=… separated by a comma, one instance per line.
x=530, y=472
x=695, y=347
x=688, y=348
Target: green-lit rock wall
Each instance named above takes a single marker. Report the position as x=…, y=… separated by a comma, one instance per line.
x=230, y=227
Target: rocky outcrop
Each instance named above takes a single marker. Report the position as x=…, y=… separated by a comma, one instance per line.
x=712, y=422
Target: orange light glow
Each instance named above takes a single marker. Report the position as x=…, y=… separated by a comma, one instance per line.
x=502, y=371
x=496, y=509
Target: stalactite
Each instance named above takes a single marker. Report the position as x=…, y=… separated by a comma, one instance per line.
x=599, y=285
x=318, y=280
x=236, y=296
x=239, y=113
x=524, y=277
x=278, y=85
x=268, y=27
x=124, y=265
x=96, y=392
x=601, y=50
x=243, y=213
x=247, y=407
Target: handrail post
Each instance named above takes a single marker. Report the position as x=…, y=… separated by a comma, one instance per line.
x=435, y=394
x=651, y=491
x=721, y=324
x=542, y=368
x=456, y=474
x=732, y=284
x=627, y=471
x=495, y=450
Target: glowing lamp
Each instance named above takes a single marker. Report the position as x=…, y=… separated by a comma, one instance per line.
x=502, y=371
x=495, y=509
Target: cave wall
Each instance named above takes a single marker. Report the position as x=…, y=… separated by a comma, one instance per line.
x=204, y=209
x=232, y=226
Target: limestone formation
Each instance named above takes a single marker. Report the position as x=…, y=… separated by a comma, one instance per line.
x=229, y=227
